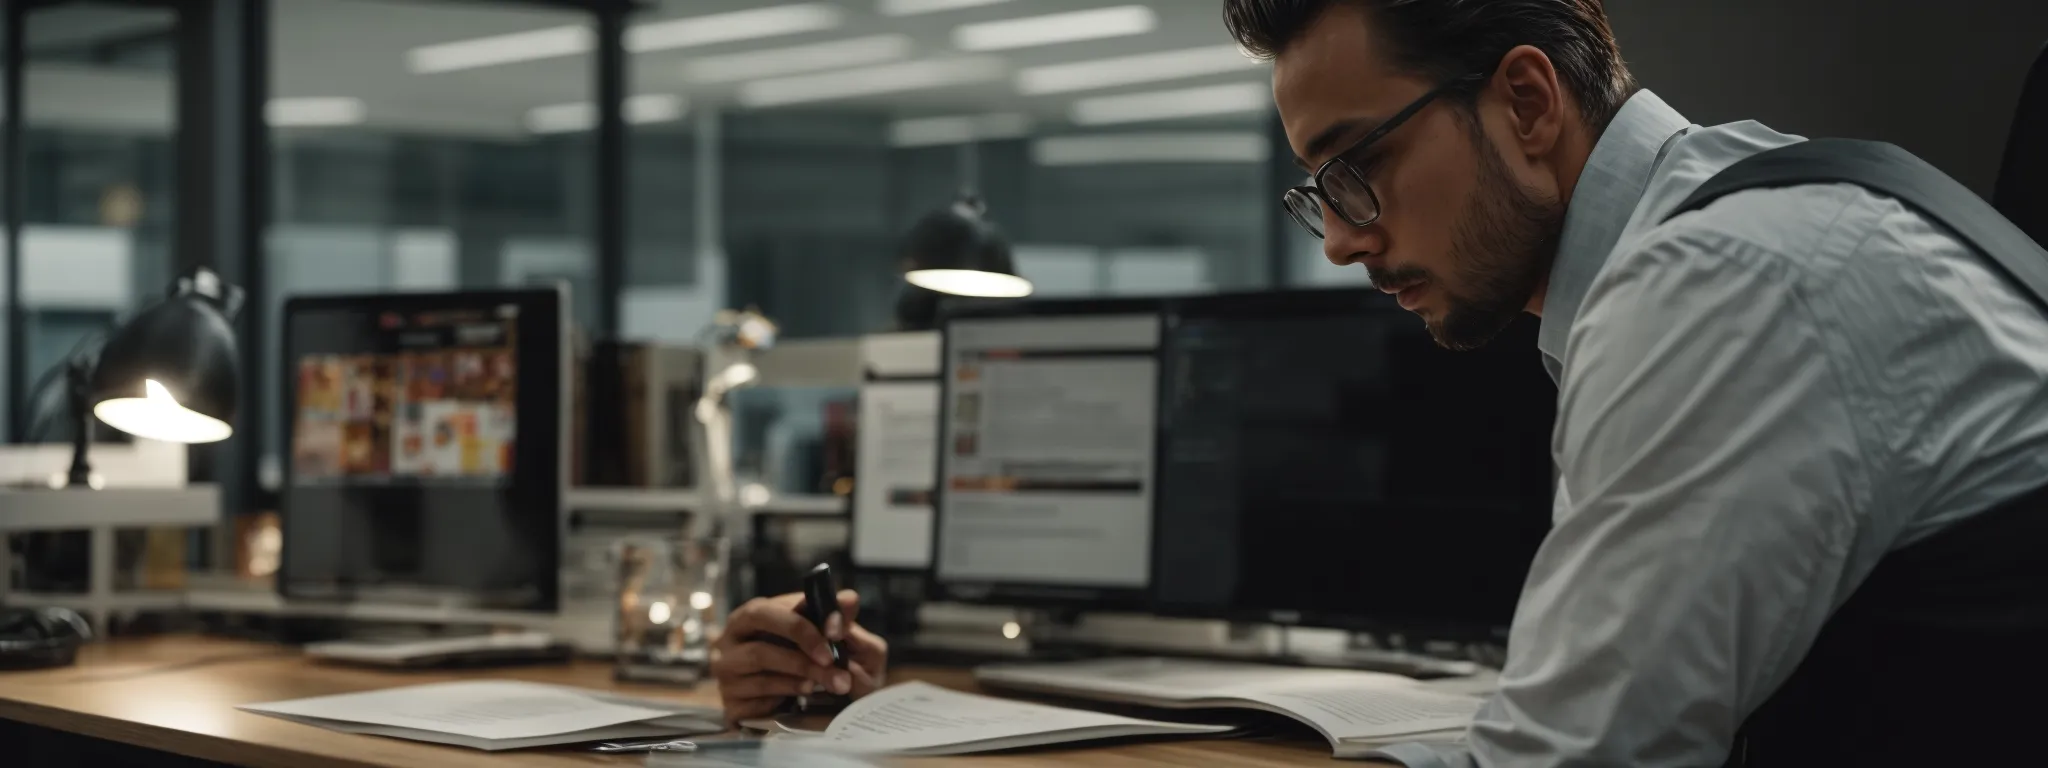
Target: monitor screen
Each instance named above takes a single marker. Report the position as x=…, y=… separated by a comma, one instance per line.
x=1324, y=462
x=895, y=463
x=1046, y=462
x=424, y=449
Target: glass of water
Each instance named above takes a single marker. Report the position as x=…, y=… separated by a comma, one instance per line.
x=671, y=603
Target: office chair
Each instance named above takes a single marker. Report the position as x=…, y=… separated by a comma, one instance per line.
x=2022, y=191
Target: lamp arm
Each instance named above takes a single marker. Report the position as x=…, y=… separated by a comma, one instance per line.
x=85, y=352
x=78, y=393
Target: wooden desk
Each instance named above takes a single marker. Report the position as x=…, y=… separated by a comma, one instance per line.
x=178, y=695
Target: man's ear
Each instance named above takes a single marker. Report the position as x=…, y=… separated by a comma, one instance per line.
x=1537, y=106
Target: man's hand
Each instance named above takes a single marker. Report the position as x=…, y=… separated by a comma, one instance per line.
x=755, y=676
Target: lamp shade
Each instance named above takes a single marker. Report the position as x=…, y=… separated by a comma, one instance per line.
x=955, y=250
x=170, y=372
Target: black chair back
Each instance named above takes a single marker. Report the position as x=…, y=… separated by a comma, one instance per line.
x=2022, y=191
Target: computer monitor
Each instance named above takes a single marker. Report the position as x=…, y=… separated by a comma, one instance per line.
x=425, y=443
x=897, y=452
x=1325, y=463
x=1047, y=453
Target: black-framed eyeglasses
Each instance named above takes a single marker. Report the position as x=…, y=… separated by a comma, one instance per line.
x=1340, y=184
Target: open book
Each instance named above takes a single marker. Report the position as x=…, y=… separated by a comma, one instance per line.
x=1357, y=711
x=921, y=719
x=496, y=714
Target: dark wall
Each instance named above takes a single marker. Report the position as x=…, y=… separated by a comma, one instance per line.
x=1938, y=78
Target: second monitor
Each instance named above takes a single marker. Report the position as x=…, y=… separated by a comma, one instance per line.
x=1047, y=461
x=1324, y=462
x=1302, y=457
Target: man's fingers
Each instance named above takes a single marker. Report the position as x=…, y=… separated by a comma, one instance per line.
x=867, y=648
x=764, y=685
x=752, y=658
x=849, y=604
x=789, y=625
x=745, y=622
x=864, y=681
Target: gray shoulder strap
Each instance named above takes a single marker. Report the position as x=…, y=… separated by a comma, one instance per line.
x=1896, y=173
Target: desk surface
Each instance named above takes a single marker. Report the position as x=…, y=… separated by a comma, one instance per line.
x=178, y=694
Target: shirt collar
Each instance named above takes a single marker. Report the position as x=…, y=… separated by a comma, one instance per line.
x=1609, y=188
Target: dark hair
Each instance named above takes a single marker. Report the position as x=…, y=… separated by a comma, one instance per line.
x=1447, y=39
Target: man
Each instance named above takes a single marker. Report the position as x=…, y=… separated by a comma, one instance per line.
x=1800, y=431
x=1760, y=402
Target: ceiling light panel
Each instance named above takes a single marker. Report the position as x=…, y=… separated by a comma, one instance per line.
x=915, y=7
x=1127, y=70
x=775, y=62
x=957, y=129
x=870, y=81
x=1110, y=149
x=749, y=24
x=1094, y=24
x=500, y=49
x=313, y=111
x=1167, y=105
x=579, y=116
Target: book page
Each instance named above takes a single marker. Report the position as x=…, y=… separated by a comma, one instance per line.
x=919, y=716
x=1373, y=713
x=482, y=709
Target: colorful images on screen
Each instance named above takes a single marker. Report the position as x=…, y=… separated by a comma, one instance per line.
x=445, y=411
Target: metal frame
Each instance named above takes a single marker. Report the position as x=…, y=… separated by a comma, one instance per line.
x=1280, y=174
x=10, y=144
x=610, y=164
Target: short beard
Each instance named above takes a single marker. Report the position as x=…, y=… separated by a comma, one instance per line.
x=1501, y=250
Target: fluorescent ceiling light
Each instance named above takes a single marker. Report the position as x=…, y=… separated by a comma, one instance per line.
x=957, y=129
x=500, y=49
x=579, y=116
x=914, y=7
x=1142, y=68
x=869, y=81
x=1093, y=24
x=1167, y=105
x=652, y=36
x=1214, y=147
x=774, y=62
x=728, y=27
x=313, y=111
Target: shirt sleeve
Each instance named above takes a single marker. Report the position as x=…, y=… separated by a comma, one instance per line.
x=1711, y=487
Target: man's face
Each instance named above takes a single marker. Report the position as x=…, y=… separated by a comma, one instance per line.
x=1460, y=238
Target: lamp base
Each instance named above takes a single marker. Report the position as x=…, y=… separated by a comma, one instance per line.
x=91, y=481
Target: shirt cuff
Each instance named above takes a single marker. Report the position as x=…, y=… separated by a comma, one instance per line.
x=1421, y=755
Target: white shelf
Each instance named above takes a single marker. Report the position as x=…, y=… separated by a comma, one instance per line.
x=117, y=601
x=271, y=604
x=800, y=504
x=635, y=499
x=66, y=509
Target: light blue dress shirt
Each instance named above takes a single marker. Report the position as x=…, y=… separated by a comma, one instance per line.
x=1757, y=401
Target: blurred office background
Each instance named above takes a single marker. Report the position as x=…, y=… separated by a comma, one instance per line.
x=773, y=152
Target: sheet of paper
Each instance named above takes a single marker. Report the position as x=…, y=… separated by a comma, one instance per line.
x=918, y=716
x=642, y=730
x=483, y=709
x=1184, y=680
x=1372, y=713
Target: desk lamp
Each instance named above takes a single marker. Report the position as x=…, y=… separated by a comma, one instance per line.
x=167, y=374
x=955, y=251
x=730, y=344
